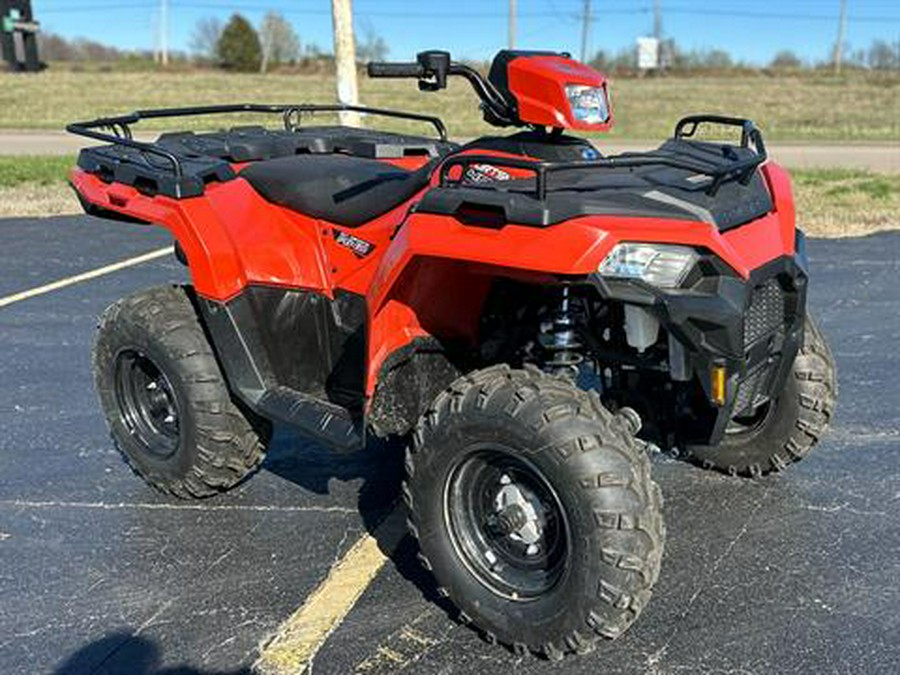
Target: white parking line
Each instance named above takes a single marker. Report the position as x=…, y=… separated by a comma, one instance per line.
x=186, y=506
x=84, y=276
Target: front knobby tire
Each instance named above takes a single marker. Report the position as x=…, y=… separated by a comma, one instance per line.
x=534, y=509
x=787, y=432
x=166, y=402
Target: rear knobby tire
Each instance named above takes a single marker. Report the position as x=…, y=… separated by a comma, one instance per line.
x=187, y=437
x=798, y=420
x=600, y=480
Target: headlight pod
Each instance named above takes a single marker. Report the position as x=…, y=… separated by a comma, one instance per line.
x=661, y=265
x=588, y=104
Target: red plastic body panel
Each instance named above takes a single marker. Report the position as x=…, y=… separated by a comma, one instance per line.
x=434, y=277
x=539, y=86
x=427, y=275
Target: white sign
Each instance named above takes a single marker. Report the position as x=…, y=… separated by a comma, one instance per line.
x=647, y=53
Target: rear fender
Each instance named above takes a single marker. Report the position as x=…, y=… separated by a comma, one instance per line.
x=230, y=236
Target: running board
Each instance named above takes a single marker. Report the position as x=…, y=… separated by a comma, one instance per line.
x=332, y=424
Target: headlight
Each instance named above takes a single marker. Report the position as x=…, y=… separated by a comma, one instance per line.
x=658, y=264
x=589, y=104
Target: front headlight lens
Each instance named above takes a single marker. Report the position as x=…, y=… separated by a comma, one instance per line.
x=589, y=104
x=659, y=265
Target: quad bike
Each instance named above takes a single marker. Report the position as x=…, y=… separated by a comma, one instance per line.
x=530, y=314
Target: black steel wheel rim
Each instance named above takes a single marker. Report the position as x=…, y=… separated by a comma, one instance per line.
x=506, y=523
x=147, y=405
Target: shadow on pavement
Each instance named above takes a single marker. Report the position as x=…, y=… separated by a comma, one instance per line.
x=126, y=653
x=380, y=467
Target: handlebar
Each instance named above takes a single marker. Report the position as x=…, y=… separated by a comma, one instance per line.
x=384, y=69
x=431, y=68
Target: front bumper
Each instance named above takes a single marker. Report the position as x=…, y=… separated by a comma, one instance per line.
x=753, y=327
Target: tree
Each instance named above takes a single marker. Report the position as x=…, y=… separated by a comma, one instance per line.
x=54, y=47
x=882, y=56
x=717, y=58
x=786, y=59
x=238, y=47
x=601, y=60
x=372, y=47
x=280, y=43
x=205, y=38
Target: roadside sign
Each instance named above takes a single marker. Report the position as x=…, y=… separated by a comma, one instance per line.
x=647, y=53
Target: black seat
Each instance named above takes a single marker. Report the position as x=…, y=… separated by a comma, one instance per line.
x=344, y=190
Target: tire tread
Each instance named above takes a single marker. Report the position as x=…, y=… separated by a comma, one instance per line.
x=539, y=401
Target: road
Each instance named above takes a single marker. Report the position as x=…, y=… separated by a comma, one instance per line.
x=882, y=157
x=796, y=573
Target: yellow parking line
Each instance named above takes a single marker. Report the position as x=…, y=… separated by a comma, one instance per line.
x=405, y=647
x=84, y=276
x=297, y=641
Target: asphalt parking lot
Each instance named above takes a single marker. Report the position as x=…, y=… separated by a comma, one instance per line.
x=797, y=573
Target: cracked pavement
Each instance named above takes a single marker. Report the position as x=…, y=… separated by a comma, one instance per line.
x=797, y=573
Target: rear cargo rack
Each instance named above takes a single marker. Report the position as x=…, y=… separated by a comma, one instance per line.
x=739, y=169
x=117, y=130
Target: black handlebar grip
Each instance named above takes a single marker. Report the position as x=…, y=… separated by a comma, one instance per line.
x=387, y=69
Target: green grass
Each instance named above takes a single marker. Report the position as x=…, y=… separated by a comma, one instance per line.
x=837, y=202
x=19, y=170
x=853, y=107
x=846, y=183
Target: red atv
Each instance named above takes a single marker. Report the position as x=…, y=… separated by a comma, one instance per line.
x=533, y=315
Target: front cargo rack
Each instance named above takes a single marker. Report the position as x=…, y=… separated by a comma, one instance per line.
x=737, y=167
x=686, y=178
x=172, y=167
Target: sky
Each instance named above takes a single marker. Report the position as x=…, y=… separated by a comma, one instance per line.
x=476, y=29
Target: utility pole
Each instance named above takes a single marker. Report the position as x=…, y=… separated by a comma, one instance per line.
x=345, y=59
x=839, y=46
x=154, y=27
x=512, y=24
x=585, y=30
x=164, y=32
x=657, y=21
x=657, y=33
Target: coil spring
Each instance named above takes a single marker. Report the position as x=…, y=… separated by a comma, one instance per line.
x=559, y=339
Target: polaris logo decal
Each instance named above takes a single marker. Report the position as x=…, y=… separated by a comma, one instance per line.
x=485, y=173
x=360, y=247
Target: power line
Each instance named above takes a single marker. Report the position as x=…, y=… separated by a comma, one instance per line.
x=75, y=9
x=463, y=14
x=742, y=14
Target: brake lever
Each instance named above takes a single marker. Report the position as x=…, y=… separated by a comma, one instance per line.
x=426, y=85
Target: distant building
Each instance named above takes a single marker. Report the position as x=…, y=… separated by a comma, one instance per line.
x=18, y=36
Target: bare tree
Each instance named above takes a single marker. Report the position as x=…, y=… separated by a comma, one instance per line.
x=372, y=46
x=786, y=59
x=882, y=56
x=205, y=38
x=280, y=44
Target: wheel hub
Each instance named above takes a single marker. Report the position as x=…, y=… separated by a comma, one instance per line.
x=518, y=512
x=506, y=523
x=147, y=405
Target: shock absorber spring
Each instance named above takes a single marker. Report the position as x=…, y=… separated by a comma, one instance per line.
x=559, y=338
